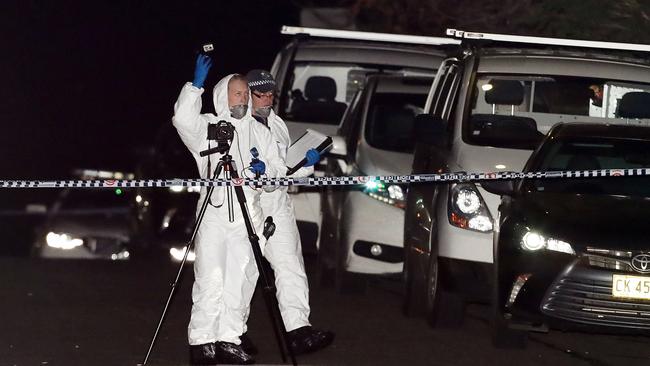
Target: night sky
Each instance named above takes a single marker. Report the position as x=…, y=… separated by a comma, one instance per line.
x=86, y=83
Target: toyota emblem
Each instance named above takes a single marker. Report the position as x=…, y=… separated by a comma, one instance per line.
x=641, y=263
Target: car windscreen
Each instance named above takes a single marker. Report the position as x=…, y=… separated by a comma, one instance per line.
x=95, y=199
x=515, y=111
x=593, y=154
x=389, y=122
x=320, y=92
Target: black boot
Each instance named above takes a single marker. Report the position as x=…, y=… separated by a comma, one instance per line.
x=247, y=345
x=230, y=353
x=203, y=354
x=307, y=339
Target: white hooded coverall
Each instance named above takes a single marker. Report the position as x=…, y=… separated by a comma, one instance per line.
x=225, y=270
x=283, y=249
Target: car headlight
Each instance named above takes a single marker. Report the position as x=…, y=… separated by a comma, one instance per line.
x=392, y=194
x=177, y=254
x=467, y=210
x=62, y=241
x=533, y=241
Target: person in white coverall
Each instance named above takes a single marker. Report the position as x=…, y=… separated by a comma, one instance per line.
x=283, y=249
x=225, y=269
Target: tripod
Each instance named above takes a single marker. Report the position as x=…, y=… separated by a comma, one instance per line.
x=268, y=287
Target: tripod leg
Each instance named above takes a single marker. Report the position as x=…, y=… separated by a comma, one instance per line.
x=190, y=244
x=268, y=287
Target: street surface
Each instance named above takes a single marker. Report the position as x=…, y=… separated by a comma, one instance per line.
x=62, y=312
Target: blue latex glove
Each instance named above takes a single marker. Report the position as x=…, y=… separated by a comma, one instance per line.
x=203, y=64
x=312, y=156
x=258, y=167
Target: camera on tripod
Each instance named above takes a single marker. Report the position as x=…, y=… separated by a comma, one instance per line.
x=222, y=131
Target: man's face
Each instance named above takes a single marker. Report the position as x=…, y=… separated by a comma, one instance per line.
x=262, y=99
x=237, y=93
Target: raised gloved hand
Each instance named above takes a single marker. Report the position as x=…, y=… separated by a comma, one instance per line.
x=203, y=64
x=312, y=156
x=258, y=167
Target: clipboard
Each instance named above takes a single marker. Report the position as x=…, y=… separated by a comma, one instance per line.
x=309, y=140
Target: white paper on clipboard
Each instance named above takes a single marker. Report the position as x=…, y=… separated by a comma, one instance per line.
x=309, y=140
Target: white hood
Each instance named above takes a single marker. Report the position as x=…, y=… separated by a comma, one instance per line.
x=374, y=161
x=220, y=101
x=472, y=159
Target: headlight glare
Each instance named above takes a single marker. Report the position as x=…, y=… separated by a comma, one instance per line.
x=533, y=241
x=62, y=241
x=468, y=201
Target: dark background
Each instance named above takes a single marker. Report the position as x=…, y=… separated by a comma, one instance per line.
x=85, y=83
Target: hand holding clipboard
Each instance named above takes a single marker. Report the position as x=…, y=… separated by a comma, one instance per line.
x=311, y=139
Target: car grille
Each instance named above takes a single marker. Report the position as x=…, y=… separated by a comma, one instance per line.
x=103, y=245
x=585, y=295
x=609, y=259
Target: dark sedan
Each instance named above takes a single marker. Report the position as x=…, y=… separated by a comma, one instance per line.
x=574, y=253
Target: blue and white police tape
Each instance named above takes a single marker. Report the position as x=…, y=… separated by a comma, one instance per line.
x=322, y=181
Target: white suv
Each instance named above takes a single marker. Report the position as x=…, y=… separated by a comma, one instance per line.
x=488, y=108
x=318, y=73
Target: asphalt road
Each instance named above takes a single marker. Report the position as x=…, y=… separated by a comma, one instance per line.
x=100, y=313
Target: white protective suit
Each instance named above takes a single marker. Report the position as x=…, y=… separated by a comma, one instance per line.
x=283, y=250
x=225, y=269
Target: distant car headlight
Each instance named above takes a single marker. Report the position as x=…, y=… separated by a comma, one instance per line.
x=392, y=194
x=62, y=241
x=533, y=241
x=467, y=210
x=178, y=253
x=180, y=189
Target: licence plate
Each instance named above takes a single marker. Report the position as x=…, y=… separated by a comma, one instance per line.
x=635, y=287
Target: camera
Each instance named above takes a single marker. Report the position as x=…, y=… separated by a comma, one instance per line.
x=206, y=48
x=222, y=131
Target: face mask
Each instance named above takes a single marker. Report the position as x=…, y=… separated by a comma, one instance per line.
x=263, y=112
x=238, y=111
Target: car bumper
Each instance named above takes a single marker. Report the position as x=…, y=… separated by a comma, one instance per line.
x=368, y=222
x=572, y=293
x=463, y=244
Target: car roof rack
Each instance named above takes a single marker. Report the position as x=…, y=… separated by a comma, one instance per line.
x=547, y=41
x=369, y=36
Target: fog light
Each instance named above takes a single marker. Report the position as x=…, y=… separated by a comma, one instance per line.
x=376, y=250
x=516, y=287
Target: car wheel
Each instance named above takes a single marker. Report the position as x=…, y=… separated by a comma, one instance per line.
x=413, y=303
x=444, y=308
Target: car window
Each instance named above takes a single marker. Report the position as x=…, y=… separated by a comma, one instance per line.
x=514, y=111
x=389, y=122
x=94, y=198
x=320, y=92
x=594, y=154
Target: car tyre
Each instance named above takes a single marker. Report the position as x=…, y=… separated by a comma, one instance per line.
x=444, y=308
x=413, y=304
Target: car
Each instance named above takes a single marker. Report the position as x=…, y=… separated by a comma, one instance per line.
x=318, y=73
x=573, y=251
x=87, y=223
x=165, y=217
x=362, y=228
x=489, y=107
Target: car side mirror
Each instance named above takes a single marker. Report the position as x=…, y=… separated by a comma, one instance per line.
x=499, y=187
x=430, y=130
